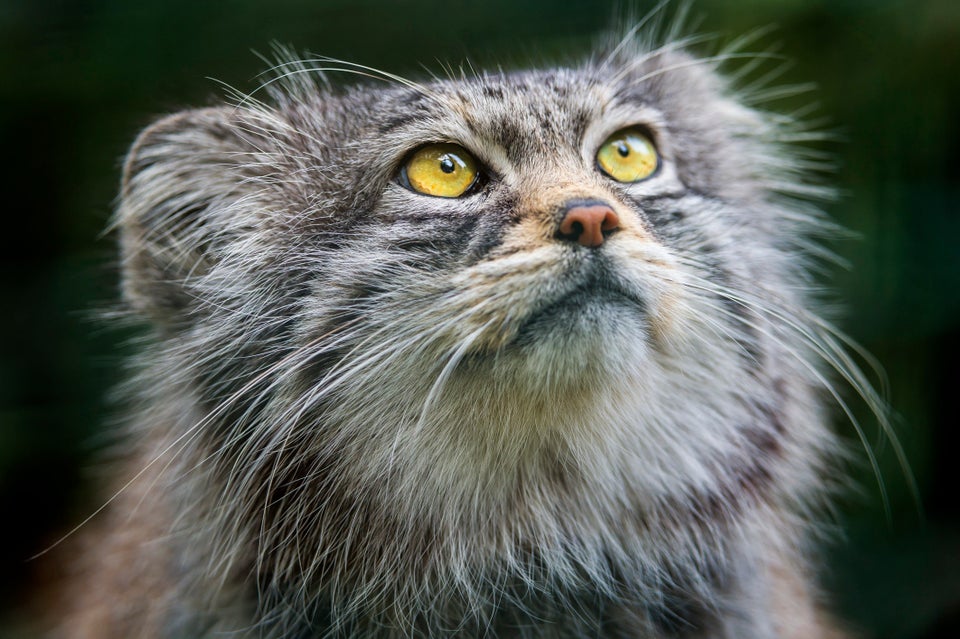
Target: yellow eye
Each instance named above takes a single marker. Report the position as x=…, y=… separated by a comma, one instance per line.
x=441, y=170
x=628, y=156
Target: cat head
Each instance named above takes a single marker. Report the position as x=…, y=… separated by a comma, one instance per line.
x=477, y=301
x=314, y=190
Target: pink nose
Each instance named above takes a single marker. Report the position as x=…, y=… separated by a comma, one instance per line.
x=586, y=224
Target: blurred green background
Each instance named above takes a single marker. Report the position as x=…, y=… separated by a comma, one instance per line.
x=81, y=78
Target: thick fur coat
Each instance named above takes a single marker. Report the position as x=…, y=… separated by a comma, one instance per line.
x=369, y=412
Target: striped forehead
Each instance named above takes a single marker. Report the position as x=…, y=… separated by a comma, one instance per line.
x=525, y=114
x=548, y=112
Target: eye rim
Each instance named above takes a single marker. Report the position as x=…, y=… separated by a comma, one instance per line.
x=478, y=179
x=647, y=134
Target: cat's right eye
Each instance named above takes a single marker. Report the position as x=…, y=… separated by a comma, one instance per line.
x=628, y=156
x=440, y=170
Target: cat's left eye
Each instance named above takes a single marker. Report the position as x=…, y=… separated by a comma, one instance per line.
x=440, y=170
x=628, y=155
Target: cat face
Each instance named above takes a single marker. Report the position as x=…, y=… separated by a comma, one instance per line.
x=331, y=172
x=554, y=317
x=411, y=275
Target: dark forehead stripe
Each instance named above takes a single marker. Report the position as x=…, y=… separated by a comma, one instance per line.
x=534, y=113
x=523, y=113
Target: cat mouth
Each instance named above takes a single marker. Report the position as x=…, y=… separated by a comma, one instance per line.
x=596, y=300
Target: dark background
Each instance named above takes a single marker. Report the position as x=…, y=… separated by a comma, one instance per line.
x=79, y=79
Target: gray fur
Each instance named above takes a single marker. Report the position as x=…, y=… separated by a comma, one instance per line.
x=377, y=413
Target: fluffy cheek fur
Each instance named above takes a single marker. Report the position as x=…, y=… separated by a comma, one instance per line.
x=451, y=393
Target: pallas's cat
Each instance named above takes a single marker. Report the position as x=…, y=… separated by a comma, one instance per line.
x=526, y=354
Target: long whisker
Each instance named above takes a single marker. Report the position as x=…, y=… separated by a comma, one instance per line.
x=831, y=352
x=631, y=34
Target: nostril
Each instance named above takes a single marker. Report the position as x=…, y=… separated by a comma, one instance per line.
x=588, y=224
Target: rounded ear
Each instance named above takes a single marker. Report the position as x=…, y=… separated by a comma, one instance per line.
x=184, y=178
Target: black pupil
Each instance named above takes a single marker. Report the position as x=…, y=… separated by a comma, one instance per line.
x=447, y=165
x=623, y=149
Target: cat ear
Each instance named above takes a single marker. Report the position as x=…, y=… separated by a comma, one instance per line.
x=184, y=188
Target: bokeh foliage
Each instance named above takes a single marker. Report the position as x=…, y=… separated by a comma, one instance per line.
x=81, y=77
